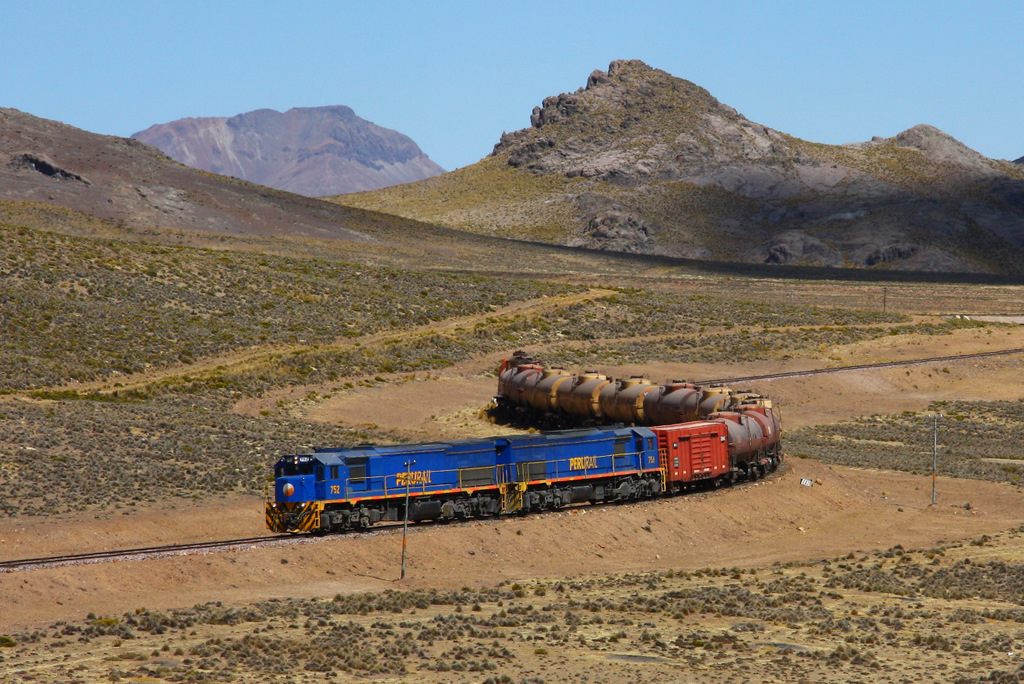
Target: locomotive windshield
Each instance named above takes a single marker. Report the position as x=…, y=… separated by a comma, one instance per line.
x=290, y=468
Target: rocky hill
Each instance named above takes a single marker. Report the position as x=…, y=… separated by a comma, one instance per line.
x=641, y=161
x=312, y=151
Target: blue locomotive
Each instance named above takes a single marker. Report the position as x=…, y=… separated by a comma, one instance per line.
x=332, y=490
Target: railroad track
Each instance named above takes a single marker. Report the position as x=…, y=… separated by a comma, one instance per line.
x=867, y=366
x=143, y=552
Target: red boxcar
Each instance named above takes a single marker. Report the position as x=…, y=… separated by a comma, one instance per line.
x=693, y=451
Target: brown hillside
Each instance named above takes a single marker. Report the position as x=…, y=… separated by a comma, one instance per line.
x=641, y=161
x=126, y=182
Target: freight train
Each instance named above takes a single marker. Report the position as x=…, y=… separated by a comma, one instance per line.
x=526, y=386
x=333, y=490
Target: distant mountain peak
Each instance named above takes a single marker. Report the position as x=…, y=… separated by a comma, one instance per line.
x=313, y=151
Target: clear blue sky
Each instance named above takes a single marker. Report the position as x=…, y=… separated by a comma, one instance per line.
x=454, y=75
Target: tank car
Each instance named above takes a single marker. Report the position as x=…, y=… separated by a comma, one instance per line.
x=591, y=398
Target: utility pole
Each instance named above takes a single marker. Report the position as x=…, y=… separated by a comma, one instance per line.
x=885, y=296
x=935, y=452
x=405, y=525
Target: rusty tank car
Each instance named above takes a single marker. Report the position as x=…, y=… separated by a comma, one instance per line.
x=593, y=398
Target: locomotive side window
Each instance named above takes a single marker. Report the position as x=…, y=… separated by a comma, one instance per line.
x=357, y=469
x=320, y=473
x=334, y=472
x=537, y=470
x=620, y=448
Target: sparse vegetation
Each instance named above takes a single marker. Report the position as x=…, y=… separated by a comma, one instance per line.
x=116, y=454
x=81, y=309
x=134, y=361
x=976, y=440
x=853, y=617
x=77, y=309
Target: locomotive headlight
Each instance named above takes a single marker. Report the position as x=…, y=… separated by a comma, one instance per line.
x=288, y=489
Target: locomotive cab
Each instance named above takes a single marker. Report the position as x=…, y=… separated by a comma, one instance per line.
x=294, y=478
x=321, y=476
x=294, y=506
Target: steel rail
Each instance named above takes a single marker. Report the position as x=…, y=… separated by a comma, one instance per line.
x=96, y=556
x=866, y=366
